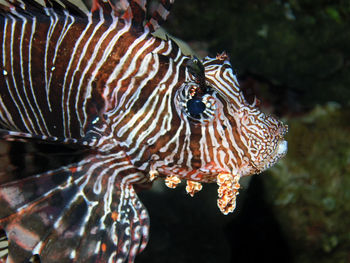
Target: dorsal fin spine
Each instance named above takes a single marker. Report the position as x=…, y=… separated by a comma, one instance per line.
x=135, y=11
x=159, y=15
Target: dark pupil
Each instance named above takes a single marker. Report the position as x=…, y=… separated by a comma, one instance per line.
x=195, y=107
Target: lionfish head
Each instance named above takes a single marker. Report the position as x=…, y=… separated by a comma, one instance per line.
x=219, y=137
x=255, y=140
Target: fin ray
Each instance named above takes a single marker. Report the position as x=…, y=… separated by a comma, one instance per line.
x=61, y=215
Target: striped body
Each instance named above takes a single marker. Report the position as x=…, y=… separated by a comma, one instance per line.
x=136, y=106
x=78, y=67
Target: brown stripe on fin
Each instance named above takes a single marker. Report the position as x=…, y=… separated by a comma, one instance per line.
x=3, y=246
x=160, y=14
x=63, y=216
x=28, y=137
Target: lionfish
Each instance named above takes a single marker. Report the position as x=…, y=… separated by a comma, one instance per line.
x=133, y=107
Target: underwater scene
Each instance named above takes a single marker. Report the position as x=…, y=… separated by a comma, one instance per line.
x=241, y=107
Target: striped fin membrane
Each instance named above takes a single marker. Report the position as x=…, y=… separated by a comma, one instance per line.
x=84, y=212
x=136, y=10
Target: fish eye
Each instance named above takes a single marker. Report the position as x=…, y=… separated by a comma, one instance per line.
x=195, y=107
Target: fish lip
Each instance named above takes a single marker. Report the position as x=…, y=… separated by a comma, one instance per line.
x=279, y=152
x=281, y=148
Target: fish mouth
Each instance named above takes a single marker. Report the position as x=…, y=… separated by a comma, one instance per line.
x=282, y=148
x=279, y=152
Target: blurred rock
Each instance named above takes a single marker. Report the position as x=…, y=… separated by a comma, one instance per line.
x=309, y=190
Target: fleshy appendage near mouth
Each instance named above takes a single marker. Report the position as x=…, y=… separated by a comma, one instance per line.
x=229, y=183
